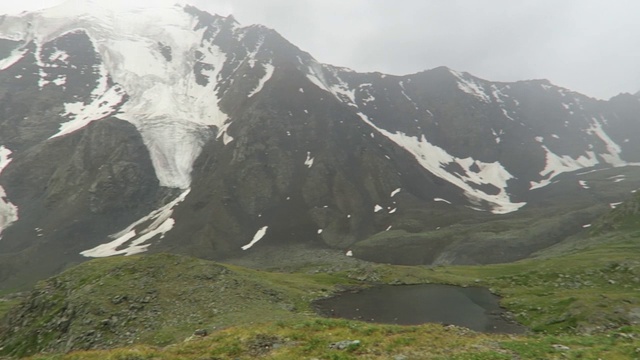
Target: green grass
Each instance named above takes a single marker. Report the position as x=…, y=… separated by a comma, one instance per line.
x=312, y=339
x=5, y=305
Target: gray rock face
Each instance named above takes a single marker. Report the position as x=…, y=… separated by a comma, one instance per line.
x=73, y=191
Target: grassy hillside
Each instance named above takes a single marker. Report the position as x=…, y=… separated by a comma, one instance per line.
x=158, y=300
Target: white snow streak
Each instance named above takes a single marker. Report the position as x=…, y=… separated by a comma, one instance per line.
x=556, y=165
x=309, y=160
x=158, y=222
x=257, y=237
x=498, y=135
x=436, y=159
x=506, y=114
x=617, y=178
x=341, y=89
x=442, y=200
x=402, y=90
x=81, y=115
x=5, y=157
x=269, y=69
x=613, y=149
x=13, y=58
x=471, y=87
x=396, y=192
x=8, y=211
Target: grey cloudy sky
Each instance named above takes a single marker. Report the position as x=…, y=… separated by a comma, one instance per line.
x=590, y=46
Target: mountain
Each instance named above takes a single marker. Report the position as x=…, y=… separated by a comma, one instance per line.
x=172, y=129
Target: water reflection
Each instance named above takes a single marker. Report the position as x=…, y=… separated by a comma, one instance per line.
x=472, y=307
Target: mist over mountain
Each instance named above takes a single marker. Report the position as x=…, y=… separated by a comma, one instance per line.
x=172, y=129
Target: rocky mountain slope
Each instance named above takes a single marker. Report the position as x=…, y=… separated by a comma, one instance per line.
x=174, y=129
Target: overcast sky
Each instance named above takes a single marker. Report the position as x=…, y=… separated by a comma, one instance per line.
x=590, y=46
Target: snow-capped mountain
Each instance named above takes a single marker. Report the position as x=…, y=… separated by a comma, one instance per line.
x=169, y=128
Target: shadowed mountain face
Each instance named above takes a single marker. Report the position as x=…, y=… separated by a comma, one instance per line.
x=204, y=137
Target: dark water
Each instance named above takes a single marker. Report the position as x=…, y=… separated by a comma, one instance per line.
x=472, y=307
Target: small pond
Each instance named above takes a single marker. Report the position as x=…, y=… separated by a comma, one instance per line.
x=473, y=307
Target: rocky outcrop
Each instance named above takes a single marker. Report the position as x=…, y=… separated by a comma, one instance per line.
x=72, y=193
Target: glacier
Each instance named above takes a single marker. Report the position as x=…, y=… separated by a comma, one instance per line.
x=165, y=102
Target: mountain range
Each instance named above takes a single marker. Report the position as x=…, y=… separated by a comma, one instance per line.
x=172, y=129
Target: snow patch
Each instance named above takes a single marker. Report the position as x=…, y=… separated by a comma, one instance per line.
x=407, y=96
x=586, y=226
x=498, y=135
x=309, y=160
x=157, y=223
x=320, y=231
x=349, y=253
x=377, y=208
x=269, y=69
x=392, y=211
x=615, y=205
x=343, y=92
x=556, y=165
x=8, y=211
x=395, y=192
x=80, y=114
x=257, y=237
x=498, y=95
x=583, y=184
x=5, y=157
x=222, y=131
x=442, y=200
x=13, y=58
x=369, y=98
x=613, y=150
x=436, y=159
x=471, y=87
x=506, y=114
